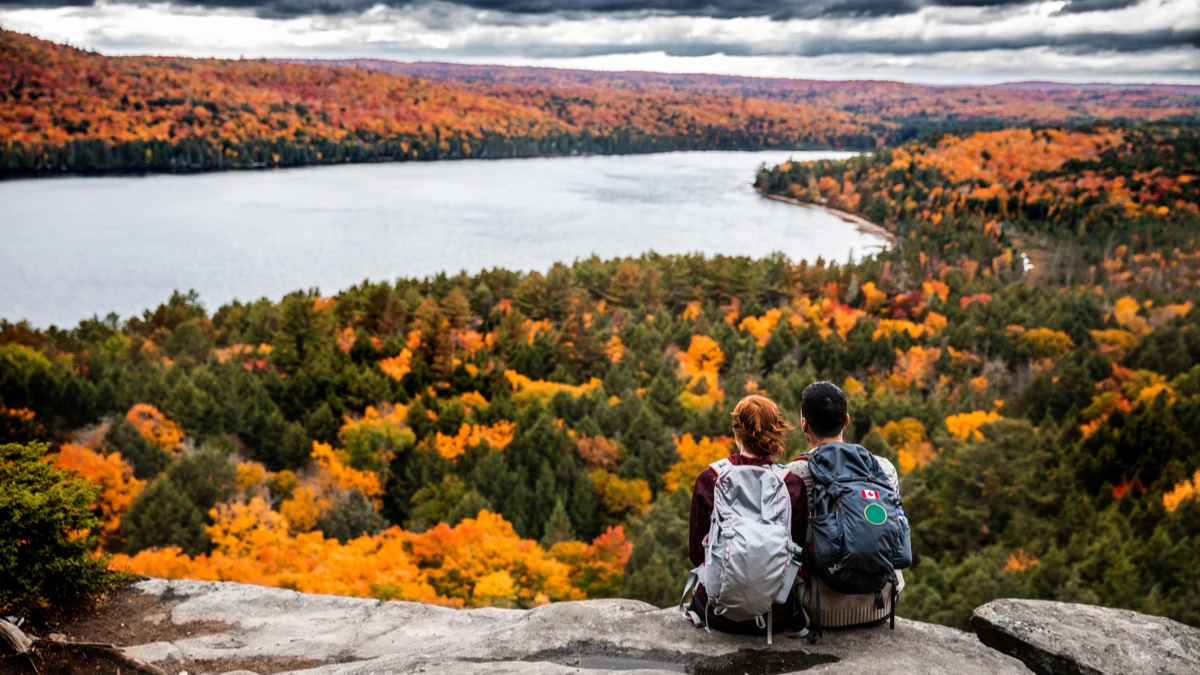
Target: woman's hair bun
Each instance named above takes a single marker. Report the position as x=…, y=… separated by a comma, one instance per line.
x=760, y=427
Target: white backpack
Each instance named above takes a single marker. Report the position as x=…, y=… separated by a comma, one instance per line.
x=750, y=562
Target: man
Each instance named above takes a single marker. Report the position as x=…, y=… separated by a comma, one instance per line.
x=824, y=418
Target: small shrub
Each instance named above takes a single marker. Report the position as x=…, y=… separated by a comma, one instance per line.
x=46, y=539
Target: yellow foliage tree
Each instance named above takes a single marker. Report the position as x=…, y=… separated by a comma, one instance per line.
x=1125, y=311
x=873, y=298
x=621, y=497
x=909, y=439
x=701, y=363
x=333, y=473
x=454, y=559
x=527, y=390
x=497, y=436
x=615, y=349
x=1046, y=342
x=1114, y=342
x=1183, y=491
x=964, y=425
x=761, y=327
x=694, y=457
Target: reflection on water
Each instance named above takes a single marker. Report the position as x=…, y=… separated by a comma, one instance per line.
x=73, y=247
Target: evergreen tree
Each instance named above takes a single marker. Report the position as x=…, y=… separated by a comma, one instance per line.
x=350, y=517
x=204, y=476
x=649, y=449
x=659, y=565
x=557, y=527
x=161, y=516
x=45, y=516
x=468, y=507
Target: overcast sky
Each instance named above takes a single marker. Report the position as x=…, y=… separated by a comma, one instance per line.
x=936, y=41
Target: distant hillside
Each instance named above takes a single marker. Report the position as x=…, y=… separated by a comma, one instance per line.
x=869, y=100
x=1190, y=89
x=63, y=108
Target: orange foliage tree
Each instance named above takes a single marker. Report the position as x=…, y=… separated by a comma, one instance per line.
x=118, y=487
x=155, y=427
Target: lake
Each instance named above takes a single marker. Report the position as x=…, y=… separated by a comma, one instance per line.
x=74, y=247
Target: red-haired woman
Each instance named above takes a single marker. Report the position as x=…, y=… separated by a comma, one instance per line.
x=760, y=432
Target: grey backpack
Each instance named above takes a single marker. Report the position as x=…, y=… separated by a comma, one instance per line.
x=750, y=562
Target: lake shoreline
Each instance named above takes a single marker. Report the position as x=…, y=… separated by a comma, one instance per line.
x=862, y=224
x=668, y=146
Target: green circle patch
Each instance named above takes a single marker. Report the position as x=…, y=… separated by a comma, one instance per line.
x=876, y=514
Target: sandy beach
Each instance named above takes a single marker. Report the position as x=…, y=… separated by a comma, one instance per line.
x=865, y=226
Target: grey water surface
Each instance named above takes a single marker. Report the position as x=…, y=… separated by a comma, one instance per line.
x=75, y=247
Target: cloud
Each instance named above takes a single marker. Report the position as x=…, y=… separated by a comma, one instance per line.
x=965, y=42
x=719, y=9
x=1079, y=6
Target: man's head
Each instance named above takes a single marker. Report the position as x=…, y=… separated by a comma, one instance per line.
x=823, y=414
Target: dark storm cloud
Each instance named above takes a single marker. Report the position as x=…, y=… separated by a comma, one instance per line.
x=1079, y=6
x=816, y=46
x=721, y=9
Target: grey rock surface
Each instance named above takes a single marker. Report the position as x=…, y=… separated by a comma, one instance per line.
x=368, y=637
x=1058, y=638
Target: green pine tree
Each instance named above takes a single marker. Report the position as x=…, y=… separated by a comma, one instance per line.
x=659, y=565
x=650, y=450
x=558, y=527
x=164, y=516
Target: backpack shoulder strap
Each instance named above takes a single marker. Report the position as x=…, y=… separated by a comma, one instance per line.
x=890, y=471
x=721, y=467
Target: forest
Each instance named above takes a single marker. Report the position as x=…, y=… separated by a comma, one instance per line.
x=507, y=439
x=904, y=108
x=64, y=109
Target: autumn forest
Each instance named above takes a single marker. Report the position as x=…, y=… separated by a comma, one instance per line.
x=1026, y=351
x=65, y=109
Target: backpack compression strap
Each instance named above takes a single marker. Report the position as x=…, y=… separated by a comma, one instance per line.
x=693, y=581
x=797, y=552
x=721, y=467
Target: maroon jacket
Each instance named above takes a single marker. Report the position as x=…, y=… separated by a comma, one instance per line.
x=702, y=506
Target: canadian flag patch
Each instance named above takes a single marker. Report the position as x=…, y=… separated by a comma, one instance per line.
x=870, y=494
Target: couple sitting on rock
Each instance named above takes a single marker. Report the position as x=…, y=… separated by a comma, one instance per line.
x=817, y=543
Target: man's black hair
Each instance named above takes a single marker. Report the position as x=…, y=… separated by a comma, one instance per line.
x=824, y=406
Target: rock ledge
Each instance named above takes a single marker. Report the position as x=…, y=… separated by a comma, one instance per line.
x=1058, y=638
x=368, y=637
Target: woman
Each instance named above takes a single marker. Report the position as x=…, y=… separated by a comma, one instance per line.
x=760, y=432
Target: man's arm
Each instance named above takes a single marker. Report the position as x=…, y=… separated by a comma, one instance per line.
x=892, y=476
